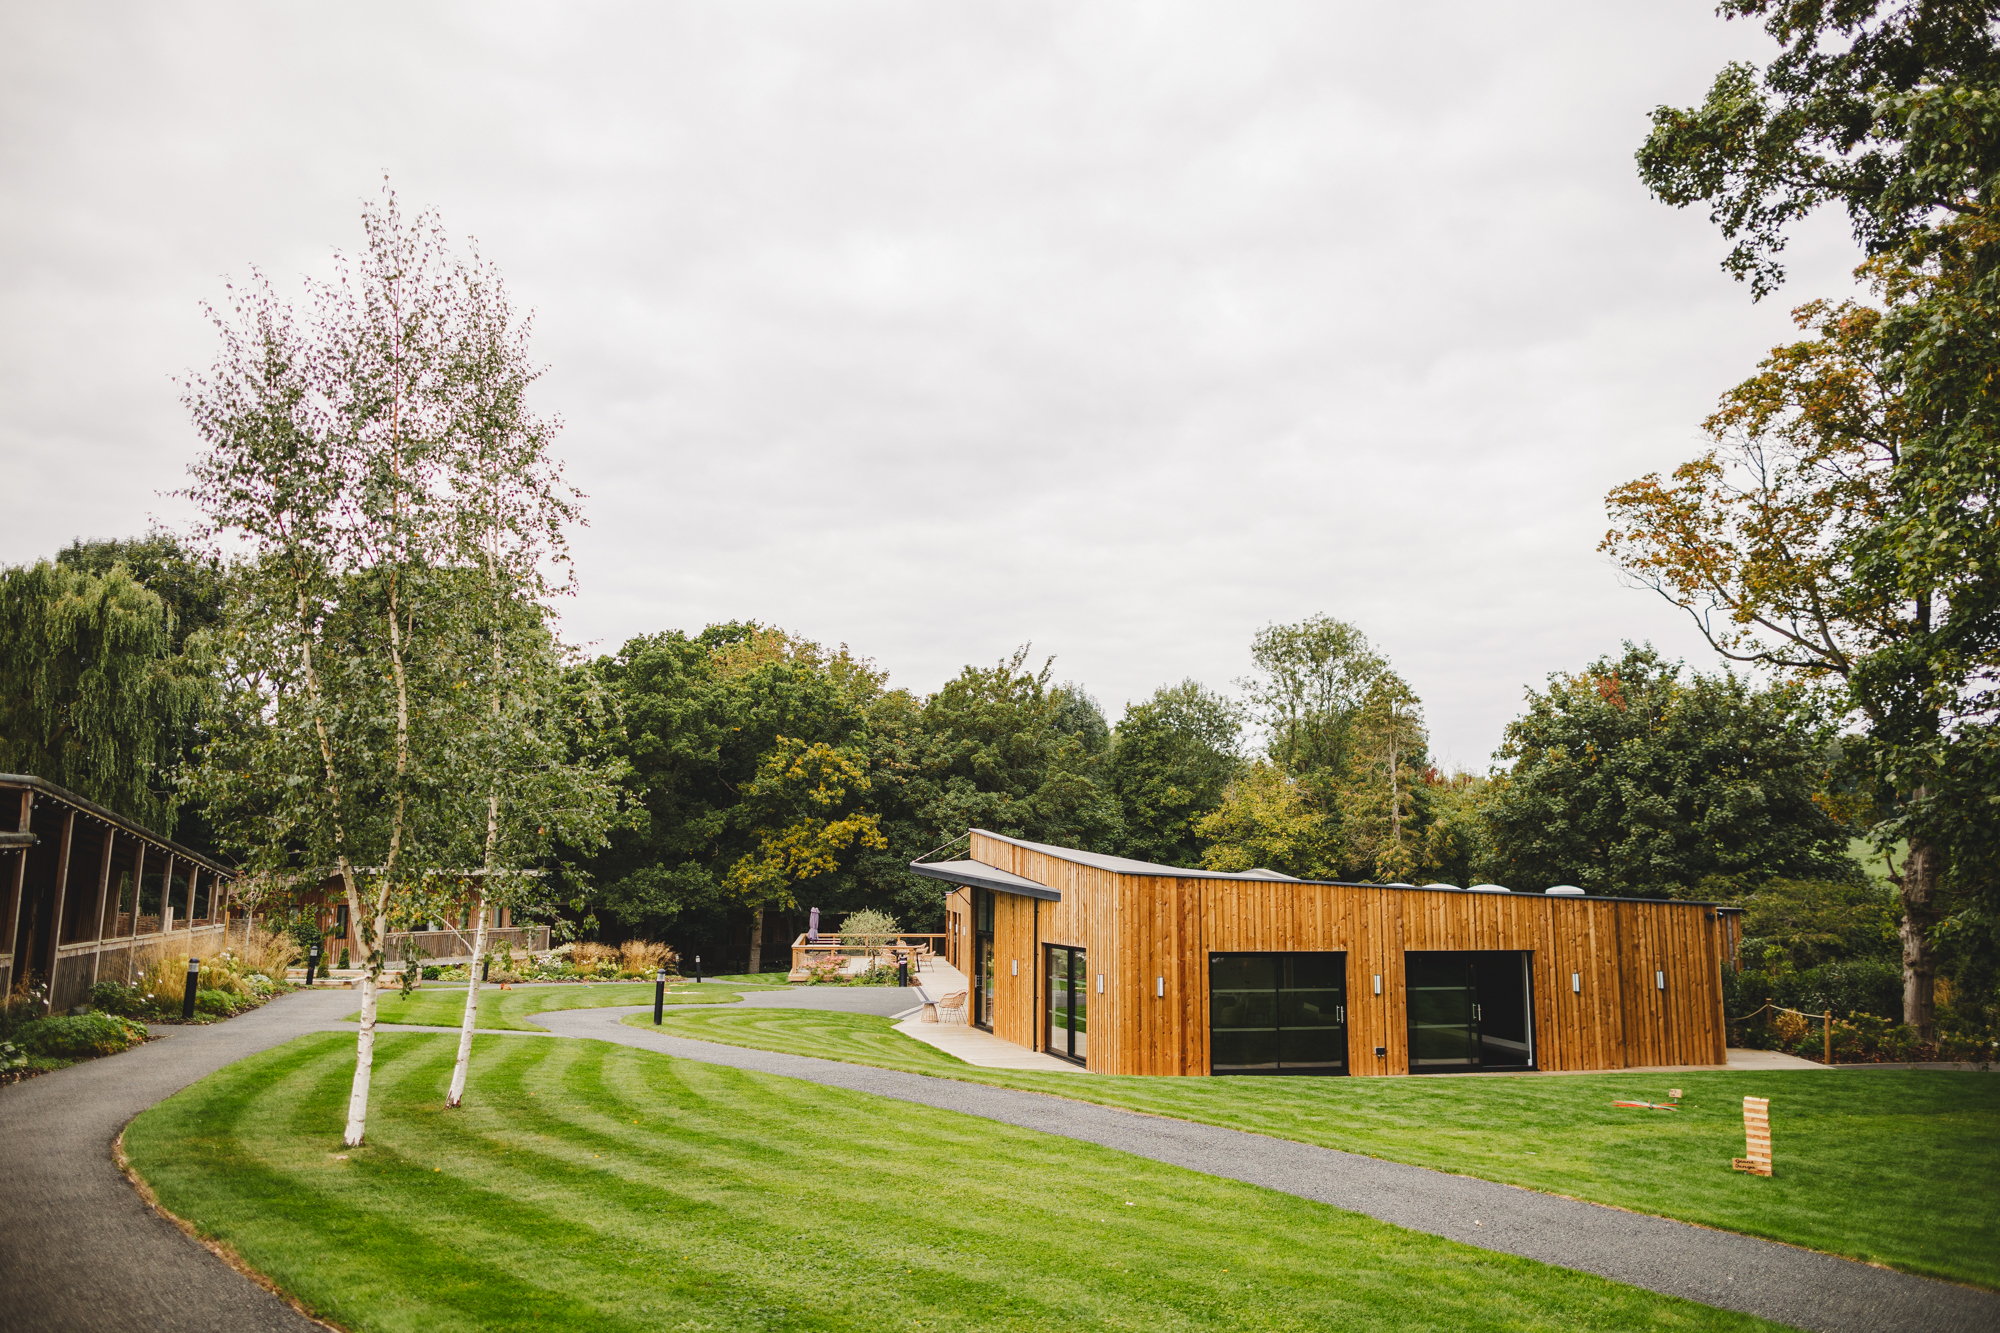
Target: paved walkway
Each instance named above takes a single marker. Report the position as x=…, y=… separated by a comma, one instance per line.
x=67, y=1209
x=79, y=1251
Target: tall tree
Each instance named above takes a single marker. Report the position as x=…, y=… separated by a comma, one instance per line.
x=96, y=693
x=1886, y=110
x=803, y=808
x=334, y=443
x=1311, y=678
x=1627, y=779
x=1171, y=761
x=511, y=510
x=1379, y=800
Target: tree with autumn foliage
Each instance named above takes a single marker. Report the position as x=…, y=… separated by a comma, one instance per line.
x=1843, y=529
x=804, y=812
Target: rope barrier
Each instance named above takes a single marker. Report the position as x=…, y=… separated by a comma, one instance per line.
x=1778, y=1009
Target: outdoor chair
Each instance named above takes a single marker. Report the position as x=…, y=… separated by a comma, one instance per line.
x=951, y=1009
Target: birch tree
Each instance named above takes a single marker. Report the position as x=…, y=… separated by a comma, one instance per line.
x=329, y=471
x=512, y=510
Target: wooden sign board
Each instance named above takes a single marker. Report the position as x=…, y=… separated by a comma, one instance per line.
x=1756, y=1136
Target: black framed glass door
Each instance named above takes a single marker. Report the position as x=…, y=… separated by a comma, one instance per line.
x=982, y=959
x=1068, y=1002
x=1469, y=1011
x=1277, y=1013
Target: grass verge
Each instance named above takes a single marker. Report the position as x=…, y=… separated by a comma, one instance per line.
x=511, y=1010
x=596, y=1187
x=1893, y=1167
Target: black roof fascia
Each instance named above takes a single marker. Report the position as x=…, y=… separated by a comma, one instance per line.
x=112, y=817
x=978, y=875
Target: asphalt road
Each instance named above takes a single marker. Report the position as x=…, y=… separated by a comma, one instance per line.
x=81, y=1252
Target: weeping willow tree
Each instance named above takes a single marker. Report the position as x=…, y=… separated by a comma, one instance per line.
x=93, y=694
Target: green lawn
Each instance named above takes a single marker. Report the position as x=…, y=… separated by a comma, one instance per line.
x=510, y=1010
x=1892, y=1166
x=596, y=1187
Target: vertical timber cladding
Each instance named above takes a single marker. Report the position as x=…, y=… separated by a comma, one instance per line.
x=1596, y=964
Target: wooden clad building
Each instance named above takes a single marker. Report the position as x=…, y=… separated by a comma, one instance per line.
x=84, y=890
x=1131, y=968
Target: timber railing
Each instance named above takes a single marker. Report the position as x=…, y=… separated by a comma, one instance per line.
x=915, y=947
x=454, y=945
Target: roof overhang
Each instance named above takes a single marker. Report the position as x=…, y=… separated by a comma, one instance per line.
x=976, y=875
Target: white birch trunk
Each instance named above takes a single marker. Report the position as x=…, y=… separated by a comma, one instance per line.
x=471, y=1020
x=364, y=1065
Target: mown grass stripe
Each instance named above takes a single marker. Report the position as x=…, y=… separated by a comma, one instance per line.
x=744, y=1201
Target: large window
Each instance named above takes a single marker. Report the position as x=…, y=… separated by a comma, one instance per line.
x=1068, y=1007
x=1469, y=1011
x=1277, y=1013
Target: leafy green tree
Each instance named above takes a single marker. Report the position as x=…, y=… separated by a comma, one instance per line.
x=1383, y=837
x=1171, y=761
x=190, y=582
x=804, y=815
x=95, y=692
x=999, y=748
x=702, y=718
x=1270, y=820
x=1629, y=780
x=1457, y=842
x=1311, y=679
x=1886, y=110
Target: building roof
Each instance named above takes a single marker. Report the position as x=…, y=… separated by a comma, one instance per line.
x=112, y=817
x=1122, y=865
x=979, y=875
x=1126, y=866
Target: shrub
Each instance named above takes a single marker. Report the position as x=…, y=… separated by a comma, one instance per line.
x=80, y=1035
x=115, y=997
x=869, y=921
x=12, y=1057
x=433, y=973
x=219, y=1002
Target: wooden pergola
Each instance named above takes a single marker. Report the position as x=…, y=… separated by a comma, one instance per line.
x=84, y=890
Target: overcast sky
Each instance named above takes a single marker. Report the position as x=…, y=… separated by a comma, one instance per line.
x=939, y=328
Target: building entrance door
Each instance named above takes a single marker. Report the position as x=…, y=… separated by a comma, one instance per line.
x=1068, y=1003
x=1277, y=1013
x=1469, y=1011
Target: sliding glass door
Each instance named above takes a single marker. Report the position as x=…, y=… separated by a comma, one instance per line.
x=1277, y=1013
x=1068, y=1002
x=1469, y=1011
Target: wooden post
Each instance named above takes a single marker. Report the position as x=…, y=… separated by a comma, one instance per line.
x=56, y=916
x=10, y=925
x=1756, y=1137
x=1827, y=1028
x=103, y=887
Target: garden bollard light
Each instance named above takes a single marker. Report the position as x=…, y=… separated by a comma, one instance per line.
x=659, y=997
x=697, y=969
x=902, y=972
x=312, y=961
x=194, y=980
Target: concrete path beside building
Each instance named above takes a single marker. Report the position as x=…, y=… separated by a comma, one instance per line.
x=80, y=1252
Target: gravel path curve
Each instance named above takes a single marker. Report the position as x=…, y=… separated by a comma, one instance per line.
x=68, y=1209
x=1779, y=1282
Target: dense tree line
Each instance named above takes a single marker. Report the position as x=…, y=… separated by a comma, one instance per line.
x=764, y=774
